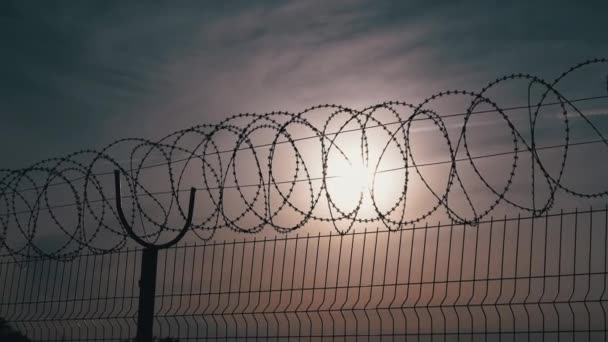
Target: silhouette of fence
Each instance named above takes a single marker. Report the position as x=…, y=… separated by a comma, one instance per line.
x=504, y=279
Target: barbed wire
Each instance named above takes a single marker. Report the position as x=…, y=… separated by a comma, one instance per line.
x=194, y=155
x=477, y=112
x=316, y=179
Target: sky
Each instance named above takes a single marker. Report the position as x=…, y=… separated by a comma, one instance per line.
x=80, y=75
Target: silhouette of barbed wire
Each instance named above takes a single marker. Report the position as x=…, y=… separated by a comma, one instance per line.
x=28, y=192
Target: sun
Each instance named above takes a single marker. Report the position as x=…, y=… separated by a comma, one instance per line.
x=352, y=183
x=349, y=181
x=355, y=175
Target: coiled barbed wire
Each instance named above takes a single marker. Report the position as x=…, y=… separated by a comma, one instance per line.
x=30, y=216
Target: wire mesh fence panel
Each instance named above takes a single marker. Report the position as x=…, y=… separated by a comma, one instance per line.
x=93, y=297
x=511, y=279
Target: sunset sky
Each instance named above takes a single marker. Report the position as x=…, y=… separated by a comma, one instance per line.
x=82, y=75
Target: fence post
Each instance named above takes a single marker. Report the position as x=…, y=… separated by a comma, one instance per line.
x=147, y=280
x=147, y=290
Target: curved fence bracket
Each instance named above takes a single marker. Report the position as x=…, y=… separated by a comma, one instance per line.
x=147, y=280
x=129, y=229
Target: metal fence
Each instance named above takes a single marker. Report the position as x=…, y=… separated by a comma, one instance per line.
x=506, y=279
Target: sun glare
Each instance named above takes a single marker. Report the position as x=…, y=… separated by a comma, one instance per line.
x=355, y=175
x=349, y=182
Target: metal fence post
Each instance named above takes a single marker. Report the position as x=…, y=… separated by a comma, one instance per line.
x=147, y=280
x=147, y=290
